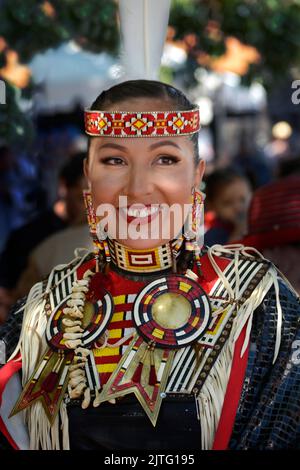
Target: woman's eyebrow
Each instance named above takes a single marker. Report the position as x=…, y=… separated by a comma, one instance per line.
x=151, y=147
x=112, y=146
x=163, y=143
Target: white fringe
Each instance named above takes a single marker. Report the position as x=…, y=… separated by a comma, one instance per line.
x=42, y=434
x=64, y=427
x=32, y=345
x=210, y=400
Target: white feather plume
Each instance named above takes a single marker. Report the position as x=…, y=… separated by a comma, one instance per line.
x=143, y=29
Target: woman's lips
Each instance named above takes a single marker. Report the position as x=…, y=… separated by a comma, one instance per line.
x=139, y=214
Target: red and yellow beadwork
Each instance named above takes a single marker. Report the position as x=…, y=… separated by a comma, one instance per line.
x=120, y=326
x=141, y=124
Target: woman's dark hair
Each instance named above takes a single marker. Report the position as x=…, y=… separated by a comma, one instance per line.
x=133, y=89
x=219, y=179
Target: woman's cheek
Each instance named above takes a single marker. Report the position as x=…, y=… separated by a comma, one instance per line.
x=100, y=195
x=104, y=190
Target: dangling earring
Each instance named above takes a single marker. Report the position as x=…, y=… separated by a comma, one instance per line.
x=194, y=234
x=99, y=242
x=198, y=216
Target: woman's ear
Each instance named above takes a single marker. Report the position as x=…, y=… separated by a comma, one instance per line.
x=200, y=168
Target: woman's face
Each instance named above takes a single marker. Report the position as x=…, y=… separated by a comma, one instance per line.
x=150, y=173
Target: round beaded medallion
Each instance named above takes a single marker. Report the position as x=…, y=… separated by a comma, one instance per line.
x=97, y=314
x=172, y=311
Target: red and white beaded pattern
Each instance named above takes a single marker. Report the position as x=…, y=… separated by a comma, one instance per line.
x=141, y=124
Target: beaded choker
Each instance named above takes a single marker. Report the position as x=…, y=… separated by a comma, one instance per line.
x=150, y=260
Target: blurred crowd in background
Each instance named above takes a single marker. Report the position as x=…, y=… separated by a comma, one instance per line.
x=238, y=60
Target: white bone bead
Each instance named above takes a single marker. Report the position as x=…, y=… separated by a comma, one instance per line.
x=68, y=322
x=72, y=335
x=76, y=381
x=87, y=398
x=96, y=401
x=88, y=274
x=75, y=302
x=73, y=313
x=77, y=392
x=73, y=329
x=77, y=366
x=76, y=289
x=77, y=373
x=77, y=296
x=84, y=351
x=73, y=344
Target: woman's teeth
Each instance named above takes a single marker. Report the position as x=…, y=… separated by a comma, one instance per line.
x=140, y=213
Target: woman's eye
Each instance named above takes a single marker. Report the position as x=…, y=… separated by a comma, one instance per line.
x=115, y=161
x=167, y=160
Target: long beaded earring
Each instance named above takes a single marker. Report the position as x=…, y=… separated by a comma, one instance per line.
x=99, y=240
x=194, y=233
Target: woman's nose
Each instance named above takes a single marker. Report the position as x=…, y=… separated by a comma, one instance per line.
x=139, y=183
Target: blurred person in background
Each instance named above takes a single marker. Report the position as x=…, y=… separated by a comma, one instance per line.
x=290, y=166
x=59, y=248
x=253, y=162
x=274, y=226
x=228, y=194
x=13, y=260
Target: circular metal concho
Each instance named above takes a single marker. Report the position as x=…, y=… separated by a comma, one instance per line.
x=172, y=311
x=97, y=315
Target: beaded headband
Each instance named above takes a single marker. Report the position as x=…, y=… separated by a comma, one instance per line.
x=141, y=124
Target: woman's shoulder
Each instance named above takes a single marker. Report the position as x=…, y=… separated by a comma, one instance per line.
x=244, y=269
x=235, y=265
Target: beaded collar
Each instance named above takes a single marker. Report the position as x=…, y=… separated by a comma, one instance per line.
x=145, y=261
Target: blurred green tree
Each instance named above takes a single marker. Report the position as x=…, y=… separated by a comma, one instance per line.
x=31, y=26
x=16, y=128
x=271, y=26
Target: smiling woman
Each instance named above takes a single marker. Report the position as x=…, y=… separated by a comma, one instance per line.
x=152, y=174
x=185, y=347
x=149, y=173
